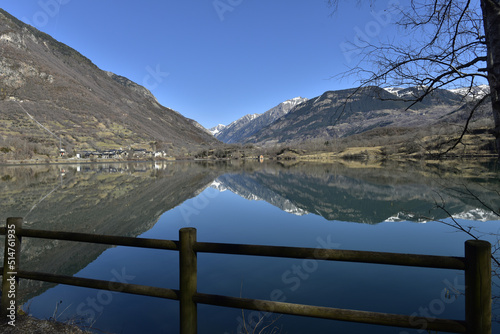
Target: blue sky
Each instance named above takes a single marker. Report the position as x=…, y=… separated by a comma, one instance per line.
x=213, y=60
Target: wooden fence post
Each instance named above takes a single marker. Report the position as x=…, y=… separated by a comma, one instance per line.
x=12, y=255
x=478, y=286
x=188, y=280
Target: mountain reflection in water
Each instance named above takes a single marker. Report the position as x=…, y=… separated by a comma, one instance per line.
x=369, y=195
x=129, y=199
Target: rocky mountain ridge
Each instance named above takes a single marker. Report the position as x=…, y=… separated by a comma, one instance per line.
x=226, y=131
x=246, y=126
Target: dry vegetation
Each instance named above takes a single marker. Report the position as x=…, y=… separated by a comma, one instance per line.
x=26, y=324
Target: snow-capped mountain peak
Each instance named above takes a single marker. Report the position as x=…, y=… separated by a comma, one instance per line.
x=295, y=100
x=216, y=184
x=405, y=92
x=475, y=92
x=393, y=90
x=217, y=129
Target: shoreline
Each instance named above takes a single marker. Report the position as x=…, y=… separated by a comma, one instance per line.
x=375, y=154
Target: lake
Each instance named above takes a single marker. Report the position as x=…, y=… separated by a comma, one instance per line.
x=390, y=207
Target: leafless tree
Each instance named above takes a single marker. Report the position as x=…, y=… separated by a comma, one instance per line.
x=443, y=44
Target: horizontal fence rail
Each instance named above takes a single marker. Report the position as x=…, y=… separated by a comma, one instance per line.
x=135, y=289
x=414, y=260
x=99, y=239
x=374, y=318
x=476, y=263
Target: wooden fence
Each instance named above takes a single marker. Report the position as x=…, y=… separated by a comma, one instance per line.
x=476, y=263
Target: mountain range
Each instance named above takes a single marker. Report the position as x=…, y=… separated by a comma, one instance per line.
x=52, y=95
x=344, y=113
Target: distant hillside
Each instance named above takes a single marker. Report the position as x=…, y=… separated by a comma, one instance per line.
x=49, y=91
x=248, y=125
x=339, y=114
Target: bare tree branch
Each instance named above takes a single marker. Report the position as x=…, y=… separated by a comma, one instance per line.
x=459, y=140
x=449, y=44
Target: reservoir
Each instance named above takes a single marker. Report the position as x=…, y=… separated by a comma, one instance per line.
x=418, y=208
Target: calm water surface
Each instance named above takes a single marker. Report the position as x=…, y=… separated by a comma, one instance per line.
x=388, y=208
